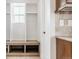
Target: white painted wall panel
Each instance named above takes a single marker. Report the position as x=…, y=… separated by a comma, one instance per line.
x=17, y=32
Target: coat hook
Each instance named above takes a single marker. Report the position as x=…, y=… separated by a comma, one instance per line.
x=44, y=32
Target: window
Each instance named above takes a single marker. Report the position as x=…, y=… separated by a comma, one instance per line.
x=18, y=13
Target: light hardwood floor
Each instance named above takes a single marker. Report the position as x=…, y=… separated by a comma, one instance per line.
x=21, y=57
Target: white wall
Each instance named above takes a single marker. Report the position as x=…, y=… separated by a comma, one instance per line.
x=45, y=27
x=64, y=30
x=53, y=39
x=8, y=27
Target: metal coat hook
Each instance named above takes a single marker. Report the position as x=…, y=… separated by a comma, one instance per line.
x=44, y=32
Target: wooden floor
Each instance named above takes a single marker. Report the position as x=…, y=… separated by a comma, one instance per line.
x=23, y=57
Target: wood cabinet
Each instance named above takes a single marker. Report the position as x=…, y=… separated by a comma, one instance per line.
x=63, y=49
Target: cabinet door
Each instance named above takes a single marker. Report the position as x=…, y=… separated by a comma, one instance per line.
x=67, y=50
x=64, y=49
x=60, y=49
